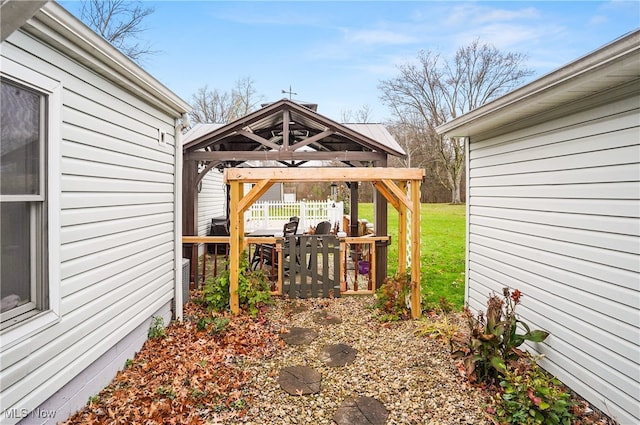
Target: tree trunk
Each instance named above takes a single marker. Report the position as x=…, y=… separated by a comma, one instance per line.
x=455, y=193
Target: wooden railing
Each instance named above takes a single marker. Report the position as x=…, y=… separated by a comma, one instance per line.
x=357, y=265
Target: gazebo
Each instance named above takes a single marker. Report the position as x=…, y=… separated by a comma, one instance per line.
x=292, y=135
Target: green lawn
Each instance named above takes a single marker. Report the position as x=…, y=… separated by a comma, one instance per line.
x=442, y=244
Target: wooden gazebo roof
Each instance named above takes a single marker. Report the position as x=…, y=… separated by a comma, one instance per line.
x=285, y=132
x=292, y=134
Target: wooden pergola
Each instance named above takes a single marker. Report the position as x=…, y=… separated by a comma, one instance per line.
x=291, y=135
x=399, y=186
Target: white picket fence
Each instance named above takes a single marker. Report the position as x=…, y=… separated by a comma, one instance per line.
x=274, y=214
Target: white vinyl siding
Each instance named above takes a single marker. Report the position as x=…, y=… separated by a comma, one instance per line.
x=211, y=201
x=554, y=210
x=116, y=242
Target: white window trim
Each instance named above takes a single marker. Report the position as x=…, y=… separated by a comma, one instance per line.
x=13, y=71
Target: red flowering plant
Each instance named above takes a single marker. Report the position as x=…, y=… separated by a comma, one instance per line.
x=493, y=338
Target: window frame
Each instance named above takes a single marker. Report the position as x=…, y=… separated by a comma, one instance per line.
x=22, y=326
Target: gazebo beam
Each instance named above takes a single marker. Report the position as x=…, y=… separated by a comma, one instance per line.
x=313, y=139
x=259, y=139
x=252, y=196
x=281, y=155
x=325, y=174
x=382, y=189
x=400, y=195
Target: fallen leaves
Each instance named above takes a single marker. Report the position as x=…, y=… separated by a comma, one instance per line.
x=188, y=377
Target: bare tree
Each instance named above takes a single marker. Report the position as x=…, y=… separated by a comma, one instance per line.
x=221, y=107
x=120, y=23
x=409, y=137
x=362, y=115
x=434, y=90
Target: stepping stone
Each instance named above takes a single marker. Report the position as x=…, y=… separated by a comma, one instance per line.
x=361, y=411
x=337, y=355
x=326, y=318
x=299, y=336
x=300, y=380
x=295, y=308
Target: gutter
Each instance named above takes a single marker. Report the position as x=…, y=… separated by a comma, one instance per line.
x=72, y=37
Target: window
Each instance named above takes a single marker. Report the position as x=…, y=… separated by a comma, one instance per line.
x=23, y=202
x=30, y=137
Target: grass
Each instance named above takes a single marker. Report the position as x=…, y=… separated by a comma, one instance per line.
x=442, y=250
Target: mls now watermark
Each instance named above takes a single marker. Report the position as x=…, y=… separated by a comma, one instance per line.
x=16, y=413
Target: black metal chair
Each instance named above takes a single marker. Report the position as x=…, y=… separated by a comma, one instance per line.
x=322, y=228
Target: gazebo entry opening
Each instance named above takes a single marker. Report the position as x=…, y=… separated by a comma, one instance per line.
x=399, y=186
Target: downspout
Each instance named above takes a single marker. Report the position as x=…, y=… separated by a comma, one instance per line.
x=180, y=124
x=467, y=163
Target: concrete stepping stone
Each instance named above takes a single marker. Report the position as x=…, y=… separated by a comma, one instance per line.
x=326, y=318
x=300, y=380
x=361, y=411
x=295, y=308
x=299, y=336
x=337, y=355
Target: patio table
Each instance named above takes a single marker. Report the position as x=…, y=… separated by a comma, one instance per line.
x=265, y=232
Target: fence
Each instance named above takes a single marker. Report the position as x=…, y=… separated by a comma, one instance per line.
x=274, y=214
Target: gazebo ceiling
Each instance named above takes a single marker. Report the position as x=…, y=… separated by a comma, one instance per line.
x=286, y=130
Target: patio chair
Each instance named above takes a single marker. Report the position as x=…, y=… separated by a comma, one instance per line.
x=266, y=253
x=322, y=228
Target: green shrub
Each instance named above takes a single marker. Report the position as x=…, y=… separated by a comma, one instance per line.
x=254, y=289
x=157, y=329
x=530, y=396
x=493, y=339
x=391, y=297
x=217, y=324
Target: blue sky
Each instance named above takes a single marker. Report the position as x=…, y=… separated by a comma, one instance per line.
x=336, y=53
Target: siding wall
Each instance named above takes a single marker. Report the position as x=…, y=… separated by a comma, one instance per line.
x=554, y=210
x=211, y=201
x=117, y=227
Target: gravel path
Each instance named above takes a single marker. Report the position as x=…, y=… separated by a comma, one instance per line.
x=413, y=376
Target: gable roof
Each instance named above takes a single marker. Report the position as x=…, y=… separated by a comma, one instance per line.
x=283, y=129
x=613, y=65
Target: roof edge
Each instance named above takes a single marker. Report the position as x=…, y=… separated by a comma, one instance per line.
x=68, y=34
x=609, y=53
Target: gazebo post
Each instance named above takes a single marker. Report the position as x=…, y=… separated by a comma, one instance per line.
x=353, y=210
x=381, y=228
x=416, y=307
x=402, y=232
x=236, y=243
x=189, y=177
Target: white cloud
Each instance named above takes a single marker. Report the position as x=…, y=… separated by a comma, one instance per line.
x=510, y=36
x=598, y=19
x=497, y=15
x=471, y=14
x=377, y=36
